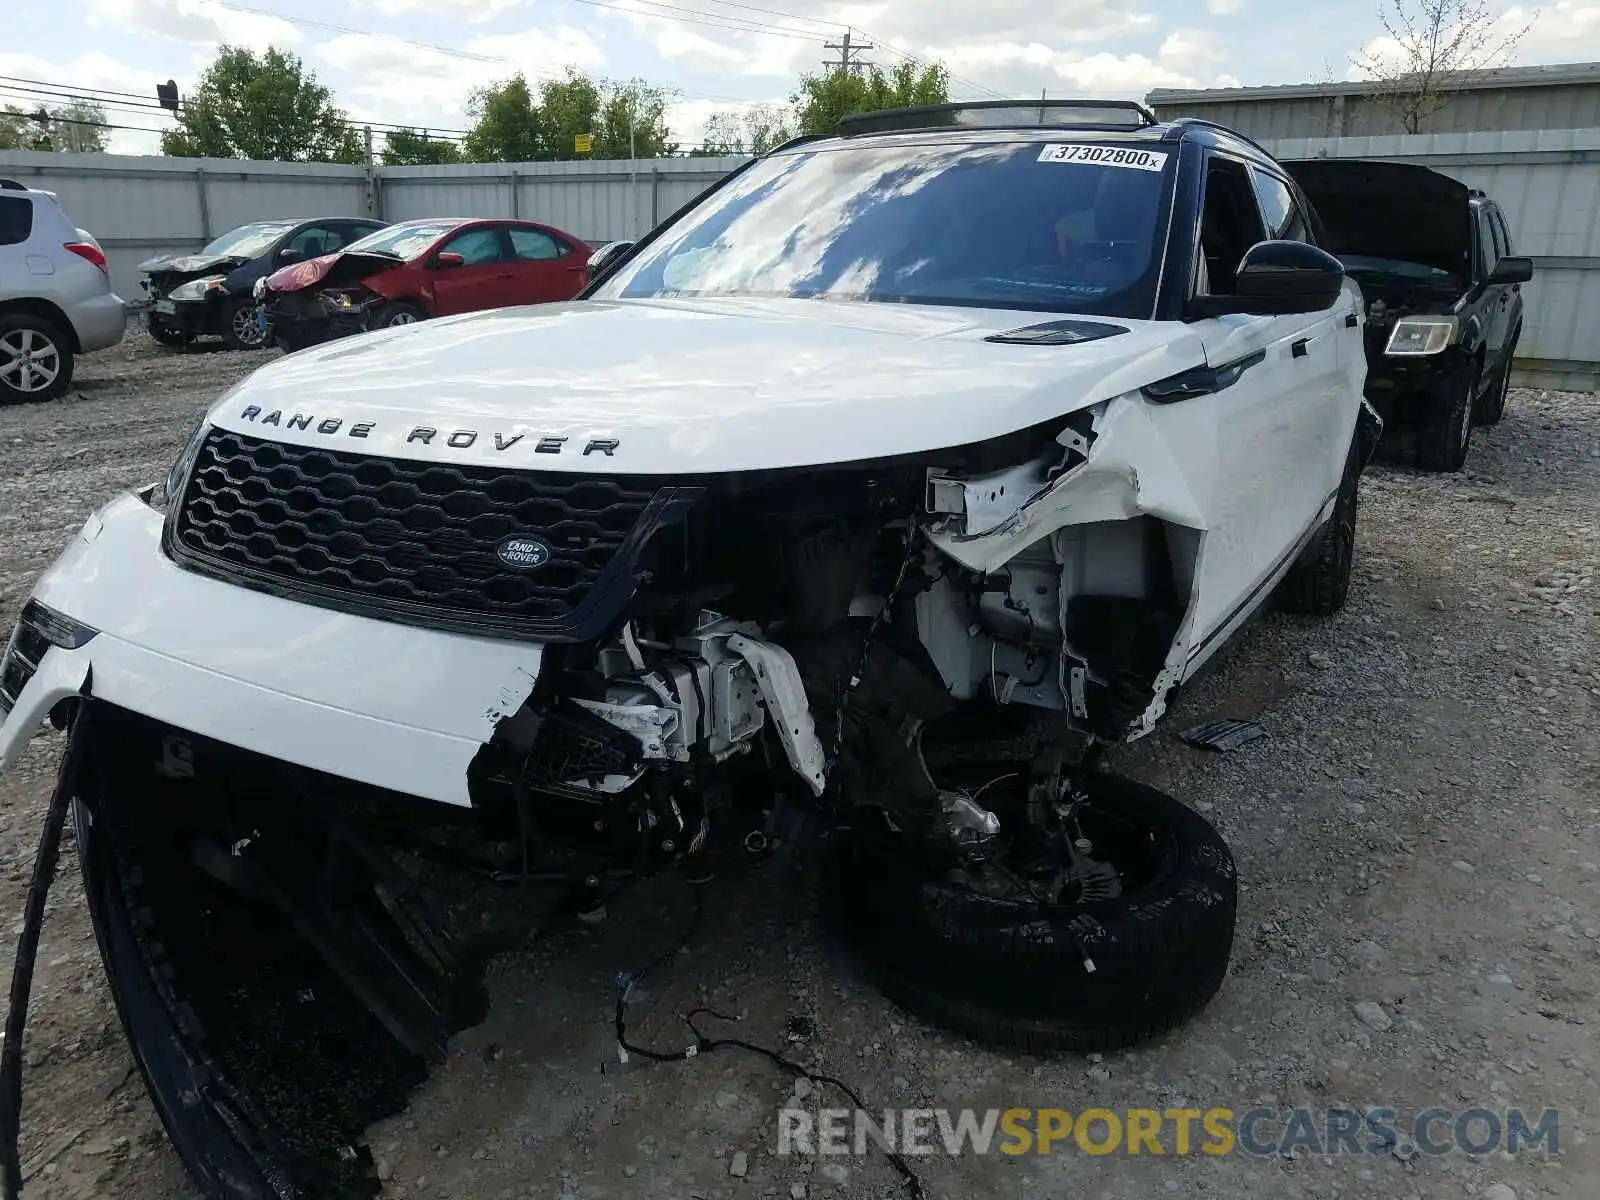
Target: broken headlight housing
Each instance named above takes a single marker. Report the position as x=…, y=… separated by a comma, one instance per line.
x=1414, y=337
x=38, y=629
x=160, y=496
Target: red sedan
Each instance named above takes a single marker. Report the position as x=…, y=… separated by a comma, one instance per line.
x=417, y=269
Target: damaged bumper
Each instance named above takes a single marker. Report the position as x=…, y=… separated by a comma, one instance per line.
x=394, y=706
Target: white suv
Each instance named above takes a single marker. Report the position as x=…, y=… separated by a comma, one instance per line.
x=56, y=300
x=974, y=421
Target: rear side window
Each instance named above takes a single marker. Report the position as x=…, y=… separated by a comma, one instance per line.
x=532, y=245
x=16, y=220
x=1279, y=212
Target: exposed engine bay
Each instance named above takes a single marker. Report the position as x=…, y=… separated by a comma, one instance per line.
x=813, y=619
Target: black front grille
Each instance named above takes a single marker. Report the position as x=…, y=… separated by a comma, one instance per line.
x=418, y=541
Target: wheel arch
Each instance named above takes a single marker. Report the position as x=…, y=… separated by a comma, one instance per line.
x=37, y=306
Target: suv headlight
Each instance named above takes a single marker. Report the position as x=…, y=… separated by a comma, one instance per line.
x=1415, y=336
x=38, y=629
x=197, y=289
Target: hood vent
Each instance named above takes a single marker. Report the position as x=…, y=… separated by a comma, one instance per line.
x=1057, y=333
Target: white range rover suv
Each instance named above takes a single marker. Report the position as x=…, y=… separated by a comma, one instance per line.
x=858, y=505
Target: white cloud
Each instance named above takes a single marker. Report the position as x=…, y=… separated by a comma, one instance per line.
x=198, y=21
x=471, y=10
x=1223, y=8
x=406, y=84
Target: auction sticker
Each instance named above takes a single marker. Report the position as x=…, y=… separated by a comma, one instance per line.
x=1104, y=156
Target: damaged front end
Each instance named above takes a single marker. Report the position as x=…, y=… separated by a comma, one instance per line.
x=324, y=298
x=571, y=679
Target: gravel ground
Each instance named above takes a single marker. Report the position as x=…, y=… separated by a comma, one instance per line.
x=1417, y=844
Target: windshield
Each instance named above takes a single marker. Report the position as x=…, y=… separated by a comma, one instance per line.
x=403, y=241
x=247, y=241
x=1052, y=227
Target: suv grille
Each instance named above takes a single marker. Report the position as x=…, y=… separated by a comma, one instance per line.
x=418, y=541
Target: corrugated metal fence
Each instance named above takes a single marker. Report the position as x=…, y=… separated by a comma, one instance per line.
x=1547, y=181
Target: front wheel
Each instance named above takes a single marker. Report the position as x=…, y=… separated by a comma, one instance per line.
x=35, y=359
x=401, y=312
x=244, y=328
x=1018, y=953
x=1443, y=442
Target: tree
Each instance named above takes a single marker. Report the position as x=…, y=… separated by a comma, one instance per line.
x=505, y=123
x=823, y=99
x=754, y=130
x=633, y=122
x=1430, y=46
x=265, y=106
x=77, y=128
x=511, y=124
x=409, y=148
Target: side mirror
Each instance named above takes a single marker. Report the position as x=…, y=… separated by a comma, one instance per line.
x=1276, y=279
x=606, y=257
x=288, y=255
x=1512, y=270
x=448, y=258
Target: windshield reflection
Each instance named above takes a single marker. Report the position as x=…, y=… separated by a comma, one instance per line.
x=989, y=225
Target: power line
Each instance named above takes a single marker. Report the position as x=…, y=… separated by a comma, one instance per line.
x=31, y=89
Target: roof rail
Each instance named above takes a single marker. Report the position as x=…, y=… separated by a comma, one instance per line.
x=996, y=114
x=11, y=185
x=1202, y=123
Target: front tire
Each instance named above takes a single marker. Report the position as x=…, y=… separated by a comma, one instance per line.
x=1016, y=972
x=36, y=359
x=1318, y=584
x=401, y=312
x=1443, y=442
x=242, y=328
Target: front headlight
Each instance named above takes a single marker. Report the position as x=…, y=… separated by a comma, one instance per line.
x=169, y=490
x=197, y=289
x=38, y=629
x=1415, y=336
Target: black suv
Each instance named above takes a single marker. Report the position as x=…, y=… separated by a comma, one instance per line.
x=209, y=292
x=1443, y=292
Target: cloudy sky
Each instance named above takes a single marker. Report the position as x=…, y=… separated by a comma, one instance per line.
x=413, y=61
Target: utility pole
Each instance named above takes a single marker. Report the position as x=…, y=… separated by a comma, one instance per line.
x=845, y=62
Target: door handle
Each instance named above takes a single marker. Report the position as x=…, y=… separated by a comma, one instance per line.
x=1351, y=320
x=505, y=275
x=1300, y=347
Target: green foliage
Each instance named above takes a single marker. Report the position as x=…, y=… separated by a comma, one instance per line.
x=511, y=124
x=77, y=128
x=265, y=106
x=823, y=99
x=409, y=148
x=753, y=130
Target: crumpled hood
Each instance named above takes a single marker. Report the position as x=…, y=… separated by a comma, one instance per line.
x=689, y=386
x=301, y=274
x=190, y=264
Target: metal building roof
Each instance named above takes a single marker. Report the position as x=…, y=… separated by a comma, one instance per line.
x=1552, y=75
